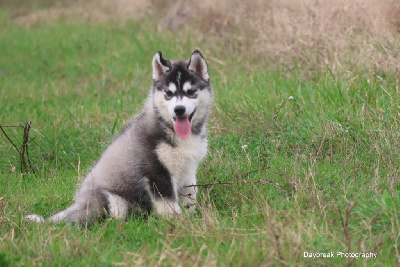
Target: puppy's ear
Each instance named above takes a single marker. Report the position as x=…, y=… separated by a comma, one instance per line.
x=160, y=66
x=198, y=65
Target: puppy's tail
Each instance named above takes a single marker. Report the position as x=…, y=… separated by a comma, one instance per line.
x=35, y=218
x=61, y=216
x=88, y=207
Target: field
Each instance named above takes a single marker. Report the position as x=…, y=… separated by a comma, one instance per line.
x=304, y=143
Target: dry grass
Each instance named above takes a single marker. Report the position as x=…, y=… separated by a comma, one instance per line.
x=70, y=11
x=310, y=34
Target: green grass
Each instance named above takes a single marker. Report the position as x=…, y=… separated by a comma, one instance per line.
x=329, y=157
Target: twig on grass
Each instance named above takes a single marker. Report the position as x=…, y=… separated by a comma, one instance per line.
x=31, y=167
x=24, y=150
x=8, y=138
x=231, y=183
x=237, y=181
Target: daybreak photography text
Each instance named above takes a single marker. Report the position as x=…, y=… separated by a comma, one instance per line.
x=339, y=254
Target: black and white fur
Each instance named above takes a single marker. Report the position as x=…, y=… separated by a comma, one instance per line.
x=148, y=166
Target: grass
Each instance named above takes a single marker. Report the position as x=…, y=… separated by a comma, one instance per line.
x=329, y=158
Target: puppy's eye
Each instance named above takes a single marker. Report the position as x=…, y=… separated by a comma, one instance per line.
x=169, y=93
x=190, y=92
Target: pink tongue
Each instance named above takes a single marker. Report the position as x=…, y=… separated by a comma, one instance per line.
x=182, y=127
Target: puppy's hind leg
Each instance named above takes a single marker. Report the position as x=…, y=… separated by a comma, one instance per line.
x=89, y=206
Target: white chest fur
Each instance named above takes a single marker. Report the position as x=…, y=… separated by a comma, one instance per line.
x=182, y=160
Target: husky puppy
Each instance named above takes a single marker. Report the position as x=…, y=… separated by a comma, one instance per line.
x=149, y=165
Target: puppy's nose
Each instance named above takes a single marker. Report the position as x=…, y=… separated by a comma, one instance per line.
x=179, y=110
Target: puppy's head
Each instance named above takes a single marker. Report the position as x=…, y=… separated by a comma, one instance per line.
x=182, y=93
